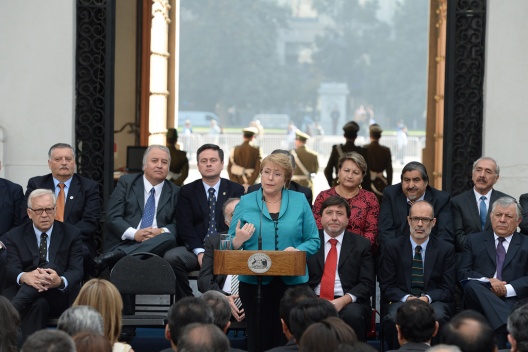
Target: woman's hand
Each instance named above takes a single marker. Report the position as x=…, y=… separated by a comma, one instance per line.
x=291, y=249
x=242, y=234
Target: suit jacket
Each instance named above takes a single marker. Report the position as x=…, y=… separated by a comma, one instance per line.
x=396, y=266
x=11, y=200
x=392, y=222
x=294, y=186
x=206, y=280
x=479, y=260
x=355, y=267
x=247, y=156
x=192, y=214
x=333, y=160
x=126, y=204
x=523, y=201
x=82, y=208
x=466, y=216
x=413, y=347
x=310, y=161
x=65, y=252
x=379, y=159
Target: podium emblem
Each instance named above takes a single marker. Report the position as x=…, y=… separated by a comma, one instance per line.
x=259, y=263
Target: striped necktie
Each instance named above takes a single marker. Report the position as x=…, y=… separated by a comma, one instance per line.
x=417, y=283
x=234, y=290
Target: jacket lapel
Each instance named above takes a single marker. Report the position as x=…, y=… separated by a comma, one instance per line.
x=406, y=253
x=474, y=211
x=139, y=191
x=515, y=243
x=430, y=259
x=489, y=243
x=346, y=248
x=30, y=238
x=75, y=187
x=165, y=196
x=55, y=241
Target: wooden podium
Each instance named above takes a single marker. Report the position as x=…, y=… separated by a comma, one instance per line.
x=235, y=262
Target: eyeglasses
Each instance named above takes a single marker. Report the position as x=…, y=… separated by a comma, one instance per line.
x=416, y=220
x=41, y=210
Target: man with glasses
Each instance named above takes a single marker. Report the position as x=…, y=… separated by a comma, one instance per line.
x=44, y=263
x=417, y=266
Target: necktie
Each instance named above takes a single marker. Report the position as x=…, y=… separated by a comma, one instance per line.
x=328, y=280
x=417, y=283
x=59, y=214
x=483, y=212
x=150, y=209
x=211, y=230
x=501, y=254
x=43, y=248
x=234, y=290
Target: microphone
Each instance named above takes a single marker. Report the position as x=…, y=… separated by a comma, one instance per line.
x=260, y=226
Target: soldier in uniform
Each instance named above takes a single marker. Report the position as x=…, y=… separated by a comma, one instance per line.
x=179, y=167
x=244, y=160
x=379, y=159
x=306, y=160
x=350, y=130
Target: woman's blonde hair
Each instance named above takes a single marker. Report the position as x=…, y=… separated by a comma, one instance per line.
x=106, y=299
x=283, y=162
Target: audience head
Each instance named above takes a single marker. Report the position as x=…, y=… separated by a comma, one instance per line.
x=106, y=299
x=280, y=161
x=359, y=346
x=61, y=161
x=470, y=331
x=156, y=161
x=186, y=311
x=518, y=329
x=49, y=341
x=212, y=147
x=198, y=337
x=444, y=348
x=356, y=160
x=505, y=216
x=172, y=136
x=415, y=322
x=421, y=221
x=287, y=153
x=80, y=318
x=228, y=209
x=485, y=174
x=290, y=299
x=327, y=335
x=88, y=341
x=9, y=322
x=414, y=180
x=210, y=160
x=350, y=130
x=307, y=312
x=375, y=131
x=335, y=214
x=220, y=306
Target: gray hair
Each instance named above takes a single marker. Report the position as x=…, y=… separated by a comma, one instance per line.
x=497, y=169
x=80, y=318
x=39, y=192
x=517, y=322
x=49, y=341
x=150, y=147
x=444, y=348
x=220, y=306
x=355, y=157
x=60, y=145
x=506, y=202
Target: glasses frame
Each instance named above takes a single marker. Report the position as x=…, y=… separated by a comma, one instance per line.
x=48, y=211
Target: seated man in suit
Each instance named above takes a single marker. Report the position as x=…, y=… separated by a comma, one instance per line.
x=78, y=198
x=471, y=208
x=342, y=271
x=11, y=201
x=199, y=214
x=141, y=213
x=398, y=198
x=416, y=325
x=417, y=266
x=44, y=263
x=500, y=257
x=523, y=201
x=294, y=186
x=223, y=283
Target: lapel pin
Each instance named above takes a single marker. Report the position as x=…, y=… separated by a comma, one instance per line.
x=224, y=193
x=71, y=197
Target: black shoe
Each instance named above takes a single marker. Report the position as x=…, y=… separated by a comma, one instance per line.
x=108, y=259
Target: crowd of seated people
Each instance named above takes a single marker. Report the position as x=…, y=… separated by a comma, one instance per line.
x=422, y=245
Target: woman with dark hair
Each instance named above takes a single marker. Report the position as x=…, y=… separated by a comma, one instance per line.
x=327, y=335
x=88, y=341
x=9, y=321
x=364, y=206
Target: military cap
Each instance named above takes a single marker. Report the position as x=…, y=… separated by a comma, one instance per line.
x=250, y=131
x=299, y=135
x=375, y=128
x=172, y=133
x=351, y=126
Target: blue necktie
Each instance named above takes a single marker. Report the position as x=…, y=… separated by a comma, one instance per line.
x=483, y=212
x=211, y=230
x=150, y=209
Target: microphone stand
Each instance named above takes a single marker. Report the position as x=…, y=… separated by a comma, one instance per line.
x=259, y=281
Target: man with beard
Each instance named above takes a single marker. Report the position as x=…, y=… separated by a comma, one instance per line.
x=417, y=266
x=398, y=198
x=471, y=209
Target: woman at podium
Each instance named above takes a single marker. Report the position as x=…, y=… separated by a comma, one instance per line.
x=272, y=218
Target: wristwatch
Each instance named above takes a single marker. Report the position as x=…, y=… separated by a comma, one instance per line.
x=62, y=285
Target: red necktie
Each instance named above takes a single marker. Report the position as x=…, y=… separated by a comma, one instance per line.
x=328, y=280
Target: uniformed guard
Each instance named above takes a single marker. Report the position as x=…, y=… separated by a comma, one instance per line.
x=244, y=160
x=307, y=161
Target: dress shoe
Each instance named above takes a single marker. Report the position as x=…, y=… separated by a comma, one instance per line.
x=108, y=259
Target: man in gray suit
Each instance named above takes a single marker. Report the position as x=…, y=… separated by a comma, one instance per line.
x=141, y=211
x=470, y=210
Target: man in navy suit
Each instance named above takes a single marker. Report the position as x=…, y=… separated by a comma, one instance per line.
x=399, y=269
x=193, y=216
x=467, y=206
x=11, y=200
x=398, y=198
x=128, y=229
x=82, y=201
x=354, y=274
x=500, y=257
x=44, y=263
